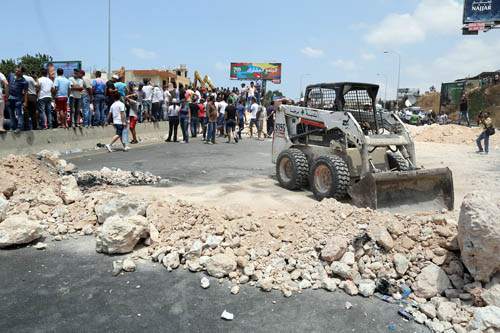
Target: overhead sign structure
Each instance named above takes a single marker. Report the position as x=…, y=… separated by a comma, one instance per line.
x=405, y=92
x=255, y=71
x=67, y=66
x=476, y=11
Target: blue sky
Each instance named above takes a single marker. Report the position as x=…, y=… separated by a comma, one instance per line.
x=330, y=40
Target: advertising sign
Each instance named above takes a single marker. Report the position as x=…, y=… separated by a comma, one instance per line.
x=477, y=26
x=481, y=11
x=254, y=71
x=405, y=92
x=451, y=93
x=67, y=66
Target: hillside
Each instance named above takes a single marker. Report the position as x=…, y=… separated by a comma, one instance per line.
x=480, y=100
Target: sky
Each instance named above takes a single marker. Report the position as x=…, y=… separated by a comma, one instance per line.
x=316, y=41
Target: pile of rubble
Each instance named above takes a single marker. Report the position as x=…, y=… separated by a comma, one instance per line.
x=117, y=177
x=449, y=134
x=443, y=269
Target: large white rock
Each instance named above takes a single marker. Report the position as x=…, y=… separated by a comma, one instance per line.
x=479, y=235
x=431, y=281
x=68, y=190
x=366, y=287
x=19, y=229
x=342, y=270
x=491, y=296
x=485, y=318
x=401, y=263
x=383, y=238
x=334, y=249
x=446, y=311
x=120, y=235
x=47, y=197
x=4, y=205
x=221, y=265
x=122, y=207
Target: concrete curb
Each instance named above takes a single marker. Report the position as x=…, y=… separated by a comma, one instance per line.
x=61, y=140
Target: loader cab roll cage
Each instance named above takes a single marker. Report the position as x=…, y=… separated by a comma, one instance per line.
x=359, y=99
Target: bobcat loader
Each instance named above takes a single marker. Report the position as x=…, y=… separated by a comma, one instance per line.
x=341, y=145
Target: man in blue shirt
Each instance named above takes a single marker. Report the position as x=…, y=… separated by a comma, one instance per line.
x=98, y=91
x=62, y=91
x=241, y=117
x=18, y=97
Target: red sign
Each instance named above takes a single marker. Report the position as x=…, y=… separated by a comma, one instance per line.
x=477, y=26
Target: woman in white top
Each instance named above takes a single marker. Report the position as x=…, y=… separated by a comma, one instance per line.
x=173, y=120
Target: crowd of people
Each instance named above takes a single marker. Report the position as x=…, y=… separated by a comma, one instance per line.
x=36, y=102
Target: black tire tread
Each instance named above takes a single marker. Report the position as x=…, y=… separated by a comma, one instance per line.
x=342, y=172
x=397, y=161
x=302, y=167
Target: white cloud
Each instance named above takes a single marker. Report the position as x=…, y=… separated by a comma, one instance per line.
x=143, y=54
x=221, y=66
x=312, y=53
x=436, y=16
x=368, y=56
x=347, y=65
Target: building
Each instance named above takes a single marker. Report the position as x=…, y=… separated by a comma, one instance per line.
x=158, y=76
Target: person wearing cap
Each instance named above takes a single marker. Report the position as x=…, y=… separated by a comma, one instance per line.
x=86, y=99
x=173, y=120
x=117, y=112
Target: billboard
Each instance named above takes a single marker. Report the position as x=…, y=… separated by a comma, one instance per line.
x=451, y=93
x=481, y=11
x=256, y=70
x=405, y=92
x=67, y=66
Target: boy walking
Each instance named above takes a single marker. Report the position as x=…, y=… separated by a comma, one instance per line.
x=117, y=111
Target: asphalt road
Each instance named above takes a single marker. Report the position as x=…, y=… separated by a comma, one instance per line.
x=70, y=288
x=194, y=163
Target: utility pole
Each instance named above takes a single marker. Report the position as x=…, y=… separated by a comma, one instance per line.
x=109, y=39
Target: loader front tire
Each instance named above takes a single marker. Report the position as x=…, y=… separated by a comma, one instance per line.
x=397, y=162
x=292, y=169
x=329, y=177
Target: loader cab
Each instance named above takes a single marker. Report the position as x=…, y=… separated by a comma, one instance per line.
x=359, y=99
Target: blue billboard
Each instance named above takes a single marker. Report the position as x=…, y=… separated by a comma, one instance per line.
x=481, y=11
x=67, y=66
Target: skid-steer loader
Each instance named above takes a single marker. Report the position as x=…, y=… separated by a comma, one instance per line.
x=341, y=145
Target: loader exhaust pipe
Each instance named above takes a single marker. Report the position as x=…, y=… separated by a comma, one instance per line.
x=416, y=190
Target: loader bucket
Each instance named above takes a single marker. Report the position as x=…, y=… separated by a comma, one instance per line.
x=416, y=190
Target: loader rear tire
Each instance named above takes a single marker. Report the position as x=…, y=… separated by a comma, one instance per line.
x=397, y=162
x=329, y=177
x=292, y=169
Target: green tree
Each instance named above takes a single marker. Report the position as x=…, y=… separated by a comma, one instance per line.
x=32, y=63
x=7, y=66
x=271, y=94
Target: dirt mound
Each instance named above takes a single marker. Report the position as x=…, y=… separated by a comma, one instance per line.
x=449, y=134
x=429, y=101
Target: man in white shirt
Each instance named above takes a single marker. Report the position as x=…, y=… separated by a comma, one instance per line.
x=254, y=108
x=220, y=120
x=156, y=102
x=117, y=111
x=75, y=96
x=147, y=101
x=166, y=102
x=250, y=94
x=5, y=84
x=45, y=90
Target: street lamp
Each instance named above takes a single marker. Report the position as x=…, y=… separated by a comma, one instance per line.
x=109, y=39
x=385, y=94
x=301, y=77
x=399, y=73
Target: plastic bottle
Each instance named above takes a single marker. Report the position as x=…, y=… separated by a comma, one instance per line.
x=125, y=136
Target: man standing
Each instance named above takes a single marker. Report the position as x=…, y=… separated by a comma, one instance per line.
x=140, y=97
x=62, y=92
x=117, y=111
x=110, y=93
x=86, y=98
x=254, y=108
x=195, y=113
x=250, y=95
x=464, y=110
x=270, y=119
x=98, y=91
x=134, y=107
x=185, y=118
x=31, y=116
x=258, y=88
x=166, y=102
x=45, y=91
x=75, y=97
x=5, y=83
x=488, y=130
x=242, y=117
x=220, y=120
x=211, y=111
x=147, y=102
x=230, y=120
x=157, y=98
x=18, y=97
x=261, y=113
